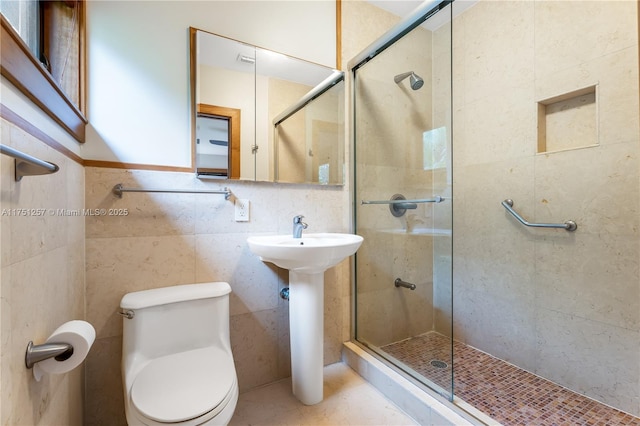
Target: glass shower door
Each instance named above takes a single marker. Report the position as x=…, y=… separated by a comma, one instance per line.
x=403, y=189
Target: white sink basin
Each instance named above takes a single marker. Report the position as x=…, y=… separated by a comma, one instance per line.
x=313, y=253
x=306, y=259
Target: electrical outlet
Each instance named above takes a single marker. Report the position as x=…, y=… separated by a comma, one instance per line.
x=242, y=210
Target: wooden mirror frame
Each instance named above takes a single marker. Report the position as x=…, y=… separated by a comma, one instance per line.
x=233, y=116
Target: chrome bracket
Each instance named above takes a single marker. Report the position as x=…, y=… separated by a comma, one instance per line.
x=398, y=209
x=128, y=313
x=399, y=283
x=37, y=353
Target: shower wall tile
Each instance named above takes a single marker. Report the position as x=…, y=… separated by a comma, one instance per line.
x=42, y=280
x=567, y=36
x=556, y=302
x=483, y=187
x=619, y=80
x=602, y=195
x=443, y=286
x=374, y=265
x=358, y=32
x=458, y=57
x=398, y=114
x=609, y=354
x=616, y=78
x=391, y=162
x=408, y=258
x=177, y=239
x=500, y=127
x=373, y=312
x=498, y=58
x=501, y=327
x=610, y=296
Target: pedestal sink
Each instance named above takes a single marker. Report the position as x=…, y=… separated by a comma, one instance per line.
x=306, y=259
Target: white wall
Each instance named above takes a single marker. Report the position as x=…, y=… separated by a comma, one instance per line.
x=138, y=66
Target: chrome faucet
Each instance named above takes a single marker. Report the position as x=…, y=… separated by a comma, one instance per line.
x=298, y=226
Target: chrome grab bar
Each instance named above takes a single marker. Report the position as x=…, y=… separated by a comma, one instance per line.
x=569, y=225
x=436, y=199
x=399, y=283
x=119, y=189
x=26, y=165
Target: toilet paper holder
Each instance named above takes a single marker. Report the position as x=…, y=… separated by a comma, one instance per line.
x=37, y=353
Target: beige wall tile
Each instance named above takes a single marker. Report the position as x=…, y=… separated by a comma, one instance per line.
x=42, y=282
x=104, y=405
x=596, y=187
x=530, y=295
x=613, y=380
x=226, y=257
x=155, y=247
x=254, y=342
x=140, y=214
x=568, y=34
x=117, y=266
x=498, y=52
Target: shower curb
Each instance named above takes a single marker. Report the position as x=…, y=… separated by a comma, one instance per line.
x=415, y=401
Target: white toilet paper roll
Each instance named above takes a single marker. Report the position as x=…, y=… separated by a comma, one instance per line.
x=77, y=333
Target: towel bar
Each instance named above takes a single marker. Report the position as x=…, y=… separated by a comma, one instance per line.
x=119, y=189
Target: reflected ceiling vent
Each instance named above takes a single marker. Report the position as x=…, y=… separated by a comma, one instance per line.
x=246, y=59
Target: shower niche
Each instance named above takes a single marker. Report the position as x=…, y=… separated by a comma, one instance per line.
x=568, y=121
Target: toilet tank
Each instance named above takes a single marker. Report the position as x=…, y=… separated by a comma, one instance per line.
x=176, y=319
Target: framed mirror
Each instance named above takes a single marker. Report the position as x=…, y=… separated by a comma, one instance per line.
x=244, y=98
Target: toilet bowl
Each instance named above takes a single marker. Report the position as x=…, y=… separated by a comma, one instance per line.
x=177, y=365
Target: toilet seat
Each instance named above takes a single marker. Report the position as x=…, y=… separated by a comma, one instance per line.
x=183, y=387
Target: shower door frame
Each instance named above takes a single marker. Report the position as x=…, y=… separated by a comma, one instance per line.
x=416, y=18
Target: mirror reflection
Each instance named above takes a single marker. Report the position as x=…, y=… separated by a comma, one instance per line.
x=238, y=90
x=309, y=141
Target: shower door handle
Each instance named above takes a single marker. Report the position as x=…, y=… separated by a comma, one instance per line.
x=436, y=199
x=398, y=204
x=569, y=225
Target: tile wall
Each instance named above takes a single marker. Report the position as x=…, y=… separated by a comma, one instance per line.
x=390, y=123
x=42, y=280
x=563, y=305
x=171, y=239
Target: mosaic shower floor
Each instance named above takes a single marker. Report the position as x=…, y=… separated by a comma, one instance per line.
x=506, y=393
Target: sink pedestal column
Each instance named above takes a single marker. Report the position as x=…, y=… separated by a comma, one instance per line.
x=306, y=325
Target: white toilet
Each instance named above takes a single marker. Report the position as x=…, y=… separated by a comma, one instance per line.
x=177, y=365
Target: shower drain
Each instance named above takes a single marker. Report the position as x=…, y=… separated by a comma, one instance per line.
x=438, y=364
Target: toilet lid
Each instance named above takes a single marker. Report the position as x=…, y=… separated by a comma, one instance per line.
x=183, y=386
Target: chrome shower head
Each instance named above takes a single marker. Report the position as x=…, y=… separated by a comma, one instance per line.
x=415, y=80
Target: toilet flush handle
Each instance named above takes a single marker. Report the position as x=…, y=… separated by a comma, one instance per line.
x=128, y=314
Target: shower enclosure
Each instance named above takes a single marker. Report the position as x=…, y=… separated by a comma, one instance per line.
x=482, y=131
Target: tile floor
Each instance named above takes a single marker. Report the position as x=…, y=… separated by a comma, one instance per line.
x=508, y=394
x=348, y=400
